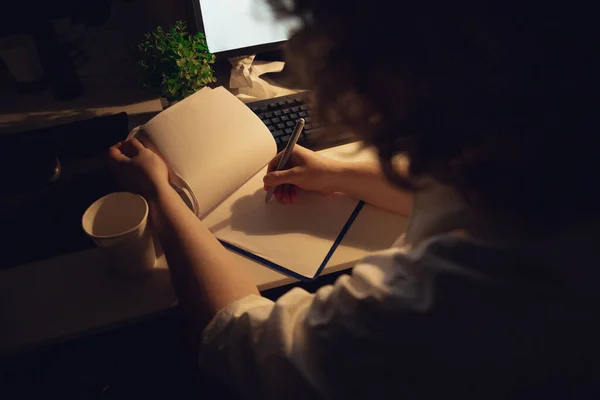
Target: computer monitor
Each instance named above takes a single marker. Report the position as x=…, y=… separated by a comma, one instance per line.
x=240, y=27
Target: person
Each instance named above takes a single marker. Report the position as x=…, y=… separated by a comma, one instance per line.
x=492, y=291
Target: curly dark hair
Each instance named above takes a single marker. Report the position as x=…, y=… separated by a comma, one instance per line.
x=490, y=97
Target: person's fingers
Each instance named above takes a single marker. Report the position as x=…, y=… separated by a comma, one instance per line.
x=147, y=143
x=274, y=162
x=277, y=193
x=128, y=149
x=116, y=147
x=285, y=194
x=293, y=193
x=286, y=176
x=116, y=154
x=136, y=144
x=290, y=190
x=297, y=158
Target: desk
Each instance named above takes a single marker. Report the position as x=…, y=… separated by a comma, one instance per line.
x=71, y=295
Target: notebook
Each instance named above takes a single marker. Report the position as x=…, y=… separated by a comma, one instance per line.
x=217, y=150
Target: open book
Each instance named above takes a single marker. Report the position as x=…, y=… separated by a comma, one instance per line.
x=218, y=150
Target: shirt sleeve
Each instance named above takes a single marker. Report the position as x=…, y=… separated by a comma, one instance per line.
x=310, y=345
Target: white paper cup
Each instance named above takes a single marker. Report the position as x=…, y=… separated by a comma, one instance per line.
x=118, y=223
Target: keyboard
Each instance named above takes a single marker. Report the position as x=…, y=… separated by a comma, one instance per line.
x=279, y=114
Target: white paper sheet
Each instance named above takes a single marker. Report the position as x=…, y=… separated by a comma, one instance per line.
x=299, y=236
x=213, y=142
x=296, y=236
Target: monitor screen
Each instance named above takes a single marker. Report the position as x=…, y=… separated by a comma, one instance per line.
x=236, y=24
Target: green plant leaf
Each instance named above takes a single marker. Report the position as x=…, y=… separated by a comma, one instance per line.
x=174, y=63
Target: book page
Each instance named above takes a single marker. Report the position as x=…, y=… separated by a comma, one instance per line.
x=213, y=142
x=296, y=236
x=299, y=236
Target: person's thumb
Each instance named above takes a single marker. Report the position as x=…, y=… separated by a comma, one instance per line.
x=291, y=176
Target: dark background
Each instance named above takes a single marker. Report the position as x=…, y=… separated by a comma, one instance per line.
x=140, y=360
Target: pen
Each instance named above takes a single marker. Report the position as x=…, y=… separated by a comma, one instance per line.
x=287, y=153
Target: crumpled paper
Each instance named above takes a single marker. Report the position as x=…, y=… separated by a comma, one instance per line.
x=246, y=81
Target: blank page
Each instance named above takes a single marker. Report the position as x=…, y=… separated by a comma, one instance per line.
x=214, y=142
x=298, y=236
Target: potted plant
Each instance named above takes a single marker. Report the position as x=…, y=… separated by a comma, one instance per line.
x=175, y=63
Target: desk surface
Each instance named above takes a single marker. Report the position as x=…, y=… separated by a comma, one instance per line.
x=71, y=295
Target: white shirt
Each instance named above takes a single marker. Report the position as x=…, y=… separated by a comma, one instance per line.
x=446, y=316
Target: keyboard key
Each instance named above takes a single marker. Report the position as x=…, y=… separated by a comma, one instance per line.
x=280, y=116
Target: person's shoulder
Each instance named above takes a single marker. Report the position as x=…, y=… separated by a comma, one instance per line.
x=457, y=254
x=402, y=273
x=460, y=257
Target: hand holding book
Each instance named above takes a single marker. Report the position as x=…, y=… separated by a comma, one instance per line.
x=138, y=168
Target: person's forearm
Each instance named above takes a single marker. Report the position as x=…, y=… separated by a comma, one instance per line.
x=366, y=181
x=205, y=275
